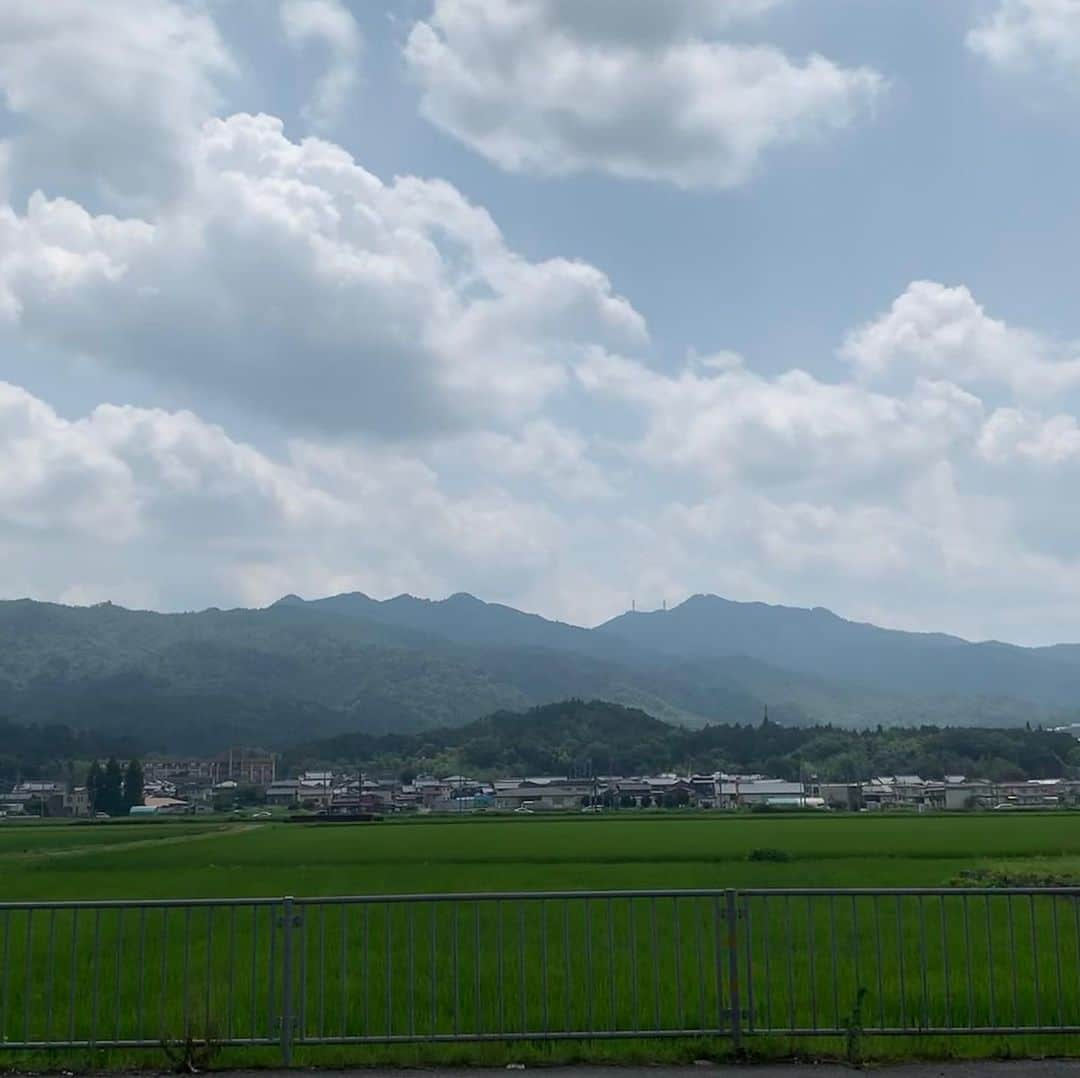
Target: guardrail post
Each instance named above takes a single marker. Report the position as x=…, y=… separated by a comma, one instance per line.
x=287, y=918
x=732, y=916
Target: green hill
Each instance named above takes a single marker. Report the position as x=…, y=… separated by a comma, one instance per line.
x=295, y=670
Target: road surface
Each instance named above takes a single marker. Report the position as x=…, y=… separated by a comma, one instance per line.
x=1043, y=1068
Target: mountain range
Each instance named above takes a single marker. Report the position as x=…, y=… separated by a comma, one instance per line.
x=302, y=669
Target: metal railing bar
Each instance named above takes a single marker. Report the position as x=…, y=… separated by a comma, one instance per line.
x=1035, y=961
x=1057, y=958
x=119, y=971
x=923, y=965
x=675, y=907
x=1012, y=962
x=28, y=969
x=791, y=960
x=945, y=961
x=477, y=1007
x=491, y=896
x=529, y=1035
x=50, y=988
x=834, y=967
x=209, y=965
x=521, y=969
x=96, y=975
x=612, y=1010
x=589, y=981
x=140, y=903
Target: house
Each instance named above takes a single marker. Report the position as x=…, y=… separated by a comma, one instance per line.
x=1032, y=793
x=540, y=796
x=903, y=791
x=167, y=806
x=78, y=801
x=44, y=798
x=968, y=794
x=736, y=791
x=842, y=795
x=635, y=789
x=283, y=792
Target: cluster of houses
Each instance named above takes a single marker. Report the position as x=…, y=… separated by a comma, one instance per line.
x=325, y=791
x=331, y=793
x=175, y=785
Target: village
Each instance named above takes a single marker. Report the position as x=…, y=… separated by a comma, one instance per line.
x=247, y=779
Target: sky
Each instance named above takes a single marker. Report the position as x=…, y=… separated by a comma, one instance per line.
x=565, y=303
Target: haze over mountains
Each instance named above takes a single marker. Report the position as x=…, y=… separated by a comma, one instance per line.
x=302, y=669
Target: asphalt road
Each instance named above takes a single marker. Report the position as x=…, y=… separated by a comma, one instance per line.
x=1043, y=1068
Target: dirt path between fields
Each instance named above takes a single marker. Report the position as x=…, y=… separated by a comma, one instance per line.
x=137, y=844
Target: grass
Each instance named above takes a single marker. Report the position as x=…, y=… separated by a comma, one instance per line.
x=487, y=966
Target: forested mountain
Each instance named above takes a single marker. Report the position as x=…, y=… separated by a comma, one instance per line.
x=575, y=736
x=200, y=681
x=819, y=642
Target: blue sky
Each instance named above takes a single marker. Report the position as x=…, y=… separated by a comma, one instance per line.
x=562, y=302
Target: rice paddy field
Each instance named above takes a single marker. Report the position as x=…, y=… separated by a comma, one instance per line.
x=847, y=965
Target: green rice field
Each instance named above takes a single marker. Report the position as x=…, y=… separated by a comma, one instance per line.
x=217, y=860
x=847, y=966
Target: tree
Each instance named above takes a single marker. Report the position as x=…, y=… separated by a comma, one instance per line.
x=110, y=789
x=133, y=785
x=93, y=785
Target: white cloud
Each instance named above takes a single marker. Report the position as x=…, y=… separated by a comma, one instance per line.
x=732, y=425
x=293, y=282
x=1014, y=435
x=329, y=24
x=55, y=477
x=557, y=457
x=1028, y=35
x=109, y=94
x=557, y=87
x=137, y=490
x=943, y=331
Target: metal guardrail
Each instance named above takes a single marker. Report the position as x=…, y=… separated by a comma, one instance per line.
x=514, y=966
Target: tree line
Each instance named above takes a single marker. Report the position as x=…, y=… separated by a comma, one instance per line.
x=597, y=737
x=113, y=789
x=46, y=751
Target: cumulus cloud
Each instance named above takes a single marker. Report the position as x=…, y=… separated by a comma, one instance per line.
x=637, y=91
x=943, y=331
x=1018, y=435
x=541, y=452
x=1026, y=35
x=730, y=424
x=330, y=25
x=292, y=281
x=109, y=95
x=145, y=487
